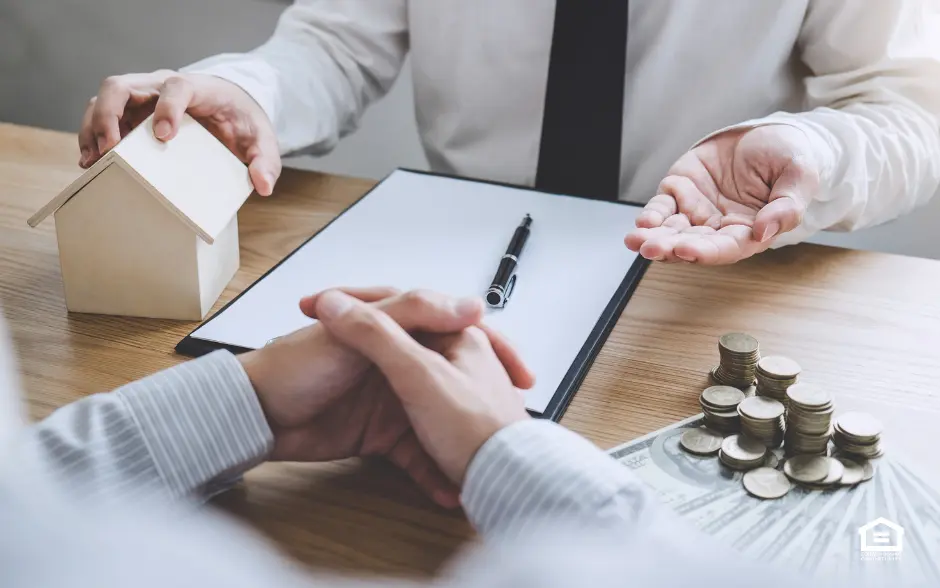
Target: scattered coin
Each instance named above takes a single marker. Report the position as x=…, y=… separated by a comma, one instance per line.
x=868, y=471
x=766, y=483
x=701, y=441
x=852, y=473
x=809, y=469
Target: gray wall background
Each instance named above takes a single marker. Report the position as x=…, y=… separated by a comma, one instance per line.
x=54, y=53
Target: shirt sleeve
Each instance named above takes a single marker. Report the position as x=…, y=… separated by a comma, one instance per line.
x=325, y=63
x=872, y=110
x=185, y=432
x=536, y=471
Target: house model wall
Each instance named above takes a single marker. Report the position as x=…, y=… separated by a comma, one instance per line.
x=151, y=229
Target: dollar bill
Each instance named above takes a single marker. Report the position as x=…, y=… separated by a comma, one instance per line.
x=816, y=532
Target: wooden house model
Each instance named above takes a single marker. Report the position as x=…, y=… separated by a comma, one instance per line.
x=151, y=229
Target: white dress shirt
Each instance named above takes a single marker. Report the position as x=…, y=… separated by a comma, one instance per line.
x=101, y=493
x=860, y=77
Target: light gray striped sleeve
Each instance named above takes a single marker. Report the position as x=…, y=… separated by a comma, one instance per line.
x=535, y=472
x=182, y=432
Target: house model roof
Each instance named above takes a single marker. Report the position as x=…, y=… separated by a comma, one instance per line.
x=194, y=175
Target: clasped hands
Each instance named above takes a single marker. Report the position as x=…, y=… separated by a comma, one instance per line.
x=413, y=377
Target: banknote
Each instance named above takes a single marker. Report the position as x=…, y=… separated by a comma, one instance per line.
x=884, y=532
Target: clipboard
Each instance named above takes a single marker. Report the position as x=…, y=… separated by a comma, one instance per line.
x=450, y=199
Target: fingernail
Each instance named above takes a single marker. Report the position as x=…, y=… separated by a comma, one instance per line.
x=102, y=145
x=161, y=129
x=468, y=306
x=689, y=258
x=770, y=231
x=333, y=304
x=84, y=156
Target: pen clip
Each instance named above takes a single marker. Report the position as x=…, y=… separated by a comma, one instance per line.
x=510, y=286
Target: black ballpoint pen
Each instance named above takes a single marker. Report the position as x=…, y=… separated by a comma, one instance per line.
x=497, y=295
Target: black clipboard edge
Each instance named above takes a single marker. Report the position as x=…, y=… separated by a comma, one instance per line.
x=194, y=347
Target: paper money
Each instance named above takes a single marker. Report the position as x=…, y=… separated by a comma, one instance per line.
x=815, y=532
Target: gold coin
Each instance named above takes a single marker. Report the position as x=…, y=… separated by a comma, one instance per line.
x=766, y=483
x=810, y=469
x=701, y=441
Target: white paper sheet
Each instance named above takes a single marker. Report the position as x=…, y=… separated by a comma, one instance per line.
x=421, y=231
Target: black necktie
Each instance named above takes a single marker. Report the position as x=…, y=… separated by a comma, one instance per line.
x=583, y=120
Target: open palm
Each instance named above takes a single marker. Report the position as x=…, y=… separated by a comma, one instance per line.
x=729, y=197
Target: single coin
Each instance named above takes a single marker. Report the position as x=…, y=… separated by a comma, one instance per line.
x=859, y=424
x=723, y=397
x=738, y=342
x=766, y=483
x=701, y=441
x=852, y=472
x=807, y=468
x=836, y=470
x=808, y=395
x=761, y=408
x=771, y=461
x=750, y=391
x=868, y=471
x=779, y=367
x=743, y=449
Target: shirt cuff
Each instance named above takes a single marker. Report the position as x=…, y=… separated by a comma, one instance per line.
x=536, y=469
x=251, y=74
x=202, y=423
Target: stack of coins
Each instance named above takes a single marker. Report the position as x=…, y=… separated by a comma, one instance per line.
x=720, y=407
x=774, y=375
x=809, y=420
x=738, y=353
x=742, y=453
x=857, y=434
x=762, y=420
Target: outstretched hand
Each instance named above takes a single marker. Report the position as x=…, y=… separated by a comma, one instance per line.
x=729, y=198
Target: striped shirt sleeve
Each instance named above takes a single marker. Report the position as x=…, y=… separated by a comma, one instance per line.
x=182, y=432
x=537, y=471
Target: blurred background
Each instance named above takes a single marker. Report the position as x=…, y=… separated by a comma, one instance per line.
x=54, y=54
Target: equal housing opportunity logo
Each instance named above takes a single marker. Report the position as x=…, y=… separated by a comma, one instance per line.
x=881, y=540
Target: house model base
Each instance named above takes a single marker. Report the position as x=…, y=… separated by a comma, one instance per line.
x=151, y=230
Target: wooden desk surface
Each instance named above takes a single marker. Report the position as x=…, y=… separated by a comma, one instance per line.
x=866, y=325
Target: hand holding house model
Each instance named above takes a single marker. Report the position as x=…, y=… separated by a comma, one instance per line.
x=151, y=229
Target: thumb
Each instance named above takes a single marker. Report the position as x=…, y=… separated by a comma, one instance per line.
x=406, y=364
x=784, y=209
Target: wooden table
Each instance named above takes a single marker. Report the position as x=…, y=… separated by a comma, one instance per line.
x=866, y=325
